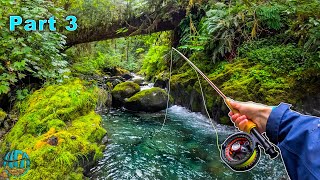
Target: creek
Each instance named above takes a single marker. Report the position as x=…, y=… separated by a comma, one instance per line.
x=184, y=149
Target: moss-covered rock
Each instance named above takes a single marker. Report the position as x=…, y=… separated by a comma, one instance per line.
x=122, y=91
x=150, y=100
x=65, y=112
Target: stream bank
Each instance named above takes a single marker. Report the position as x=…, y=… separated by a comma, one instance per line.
x=59, y=130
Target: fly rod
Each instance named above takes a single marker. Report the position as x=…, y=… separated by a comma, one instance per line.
x=239, y=151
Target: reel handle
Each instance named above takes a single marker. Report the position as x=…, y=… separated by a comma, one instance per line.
x=251, y=128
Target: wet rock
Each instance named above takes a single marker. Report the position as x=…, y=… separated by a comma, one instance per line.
x=139, y=81
x=192, y=99
x=127, y=76
x=7, y=125
x=310, y=105
x=151, y=100
x=104, y=100
x=123, y=91
x=115, y=80
x=88, y=163
x=161, y=83
x=53, y=140
x=105, y=139
x=2, y=132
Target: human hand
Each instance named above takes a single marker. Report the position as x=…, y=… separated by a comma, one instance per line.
x=257, y=113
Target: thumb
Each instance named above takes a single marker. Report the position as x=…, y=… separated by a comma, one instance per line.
x=236, y=105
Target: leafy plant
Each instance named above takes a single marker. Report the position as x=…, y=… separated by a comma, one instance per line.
x=270, y=16
x=29, y=53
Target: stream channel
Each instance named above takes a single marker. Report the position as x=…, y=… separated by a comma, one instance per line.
x=184, y=149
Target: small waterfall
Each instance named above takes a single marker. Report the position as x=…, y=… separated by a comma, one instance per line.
x=144, y=85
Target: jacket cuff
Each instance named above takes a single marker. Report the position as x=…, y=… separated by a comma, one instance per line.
x=274, y=120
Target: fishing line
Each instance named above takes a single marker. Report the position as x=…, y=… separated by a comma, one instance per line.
x=169, y=90
x=203, y=100
x=208, y=114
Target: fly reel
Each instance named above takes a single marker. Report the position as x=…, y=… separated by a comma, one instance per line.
x=240, y=152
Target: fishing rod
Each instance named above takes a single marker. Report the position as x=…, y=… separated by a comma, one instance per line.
x=239, y=151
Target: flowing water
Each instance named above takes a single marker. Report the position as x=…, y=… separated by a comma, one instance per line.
x=184, y=149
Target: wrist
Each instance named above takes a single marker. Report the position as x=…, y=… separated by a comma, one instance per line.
x=264, y=115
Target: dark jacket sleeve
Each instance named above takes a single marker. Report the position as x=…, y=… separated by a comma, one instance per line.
x=298, y=137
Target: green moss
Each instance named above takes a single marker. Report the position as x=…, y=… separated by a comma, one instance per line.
x=185, y=78
x=66, y=112
x=3, y=115
x=244, y=81
x=147, y=92
x=121, y=71
x=123, y=86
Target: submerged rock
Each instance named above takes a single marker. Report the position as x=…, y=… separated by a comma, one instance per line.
x=150, y=100
x=123, y=91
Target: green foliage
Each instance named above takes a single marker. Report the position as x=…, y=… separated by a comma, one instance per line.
x=126, y=53
x=280, y=58
x=154, y=62
x=22, y=94
x=270, y=16
x=222, y=29
x=23, y=53
x=63, y=111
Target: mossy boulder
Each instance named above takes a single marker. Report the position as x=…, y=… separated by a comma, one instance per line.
x=150, y=100
x=123, y=91
x=59, y=130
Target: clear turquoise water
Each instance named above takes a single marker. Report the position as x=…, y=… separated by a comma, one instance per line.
x=184, y=149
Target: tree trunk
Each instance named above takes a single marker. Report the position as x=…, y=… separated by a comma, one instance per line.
x=145, y=24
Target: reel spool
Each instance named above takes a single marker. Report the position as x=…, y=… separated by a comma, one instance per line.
x=240, y=152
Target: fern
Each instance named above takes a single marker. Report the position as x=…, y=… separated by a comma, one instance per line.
x=270, y=16
x=222, y=29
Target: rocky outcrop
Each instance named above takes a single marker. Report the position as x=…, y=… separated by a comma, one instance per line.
x=123, y=91
x=161, y=83
x=151, y=100
x=192, y=99
x=310, y=105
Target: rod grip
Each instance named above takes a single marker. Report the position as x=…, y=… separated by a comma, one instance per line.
x=246, y=127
